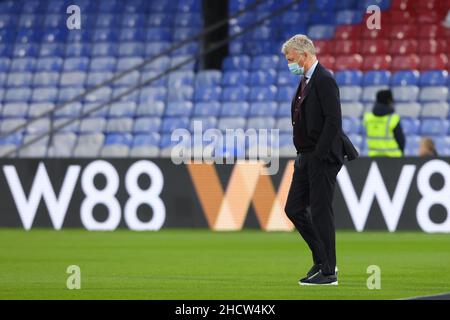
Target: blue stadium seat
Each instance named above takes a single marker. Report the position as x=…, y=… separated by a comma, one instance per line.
x=205, y=122
x=316, y=32
x=258, y=123
x=158, y=34
x=103, y=64
x=45, y=94
x=286, y=93
x=119, y=138
x=405, y=78
x=131, y=35
x=148, y=95
x=179, y=109
x=181, y=63
x=71, y=110
x=23, y=64
x=122, y=109
x=49, y=64
x=212, y=93
x=351, y=125
x=19, y=79
x=39, y=109
x=68, y=93
x=159, y=20
x=377, y=78
x=410, y=126
x=405, y=93
x=383, y=4
x=263, y=78
x=263, y=109
x=350, y=93
x=434, y=78
x=234, y=109
x=17, y=95
x=72, y=78
x=131, y=49
x=286, y=78
x=349, y=78
x=188, y=20
x=76, y=64
x=205, y=109
x=264, y=62
x=147, y=125
x=15, y=110
x=26, y=50
x=231, y=123
x=159, y=64
x=235, y=94
x=53, y=50
x=349, y=17
x=102, y=94
x=135, y=20
x=95, y=78
x=149, y=75
x=322, y=17
x=104, y=49
x=208, y=78
x=263, y=93
x=236, y=63
x=172, y=123
x=183, y=93
x=4, y=64
x=434, y=127
x=284, y=109
x=151, y=139
x=126, y=63
x=429, y=94
x=235, y=78
x=155, y=108
x=123, y=124
x=105, y=35
x=179, y=79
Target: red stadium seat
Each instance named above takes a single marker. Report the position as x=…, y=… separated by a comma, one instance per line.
x=380, y=46
x=348, y=62
x=346, y=46
x=399, y=17
x=323, y=46
x=435, y=31
x=433, y=62
x=328, y=61
x=403, y=47
x=375, y=33
x=348, y=32
x=377, y=62
x=401, y=32
x=405, y=62
x=431, y=5
x=432, y=46
x=429, y=17
x=403, y=4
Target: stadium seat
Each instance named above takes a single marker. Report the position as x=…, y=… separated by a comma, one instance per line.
x=234, y=109
x=435, y=109
x=434, y=127
x=408, y=109
x=349, y=78
x=405, y=78
x=433, y=78
x=405, y=93
x=429, y=94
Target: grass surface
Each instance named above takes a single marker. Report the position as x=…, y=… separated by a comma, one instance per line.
x=200, y=264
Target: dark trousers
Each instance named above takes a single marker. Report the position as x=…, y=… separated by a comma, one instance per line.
x=312, y=186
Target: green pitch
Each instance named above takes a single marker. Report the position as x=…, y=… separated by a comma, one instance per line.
x=189, y=264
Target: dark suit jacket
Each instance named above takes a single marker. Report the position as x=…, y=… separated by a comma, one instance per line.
x=320, y=114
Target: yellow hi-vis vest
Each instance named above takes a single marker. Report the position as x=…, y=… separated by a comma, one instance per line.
x=380, y=135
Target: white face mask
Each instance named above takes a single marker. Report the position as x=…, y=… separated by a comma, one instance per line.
x=295, y=68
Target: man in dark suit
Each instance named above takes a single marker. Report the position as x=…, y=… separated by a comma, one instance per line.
x=322, y=148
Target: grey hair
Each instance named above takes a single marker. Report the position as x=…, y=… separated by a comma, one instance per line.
x=299, y=43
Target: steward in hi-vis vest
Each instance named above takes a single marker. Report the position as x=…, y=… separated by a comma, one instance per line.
x=384, y=134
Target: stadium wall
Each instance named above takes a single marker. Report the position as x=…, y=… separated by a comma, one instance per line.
x=150, y=194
